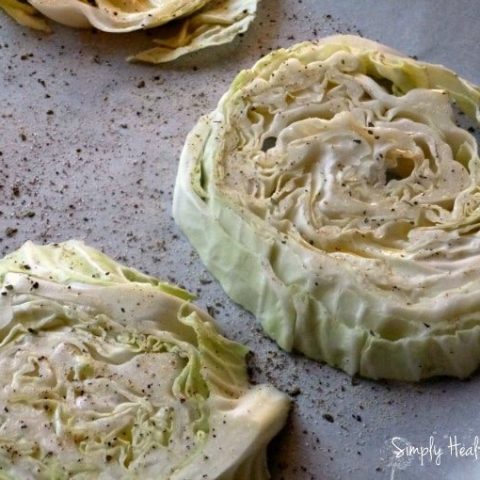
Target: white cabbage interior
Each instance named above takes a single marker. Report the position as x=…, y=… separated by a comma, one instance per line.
x=371, y=178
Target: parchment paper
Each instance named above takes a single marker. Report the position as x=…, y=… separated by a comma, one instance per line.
x=90, y=146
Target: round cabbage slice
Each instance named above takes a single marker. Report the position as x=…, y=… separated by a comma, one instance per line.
x=333, y=195
x=192, y=24
x=110, y=374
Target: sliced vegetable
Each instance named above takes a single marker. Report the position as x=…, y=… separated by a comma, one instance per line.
x=109, y=373
x=333, y=195
x=192, y=24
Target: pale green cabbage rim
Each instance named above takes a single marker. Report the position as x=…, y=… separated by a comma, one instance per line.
x=187, y=25
x=332, y=194
x=110, y=374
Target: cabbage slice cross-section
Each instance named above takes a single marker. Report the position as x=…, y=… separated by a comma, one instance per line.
x=109, y=373
x=185, y=25
x=333, y=195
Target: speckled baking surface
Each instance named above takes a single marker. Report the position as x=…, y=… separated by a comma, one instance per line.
x=89, y=146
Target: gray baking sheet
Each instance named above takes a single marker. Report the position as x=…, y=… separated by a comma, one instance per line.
x=89, y=149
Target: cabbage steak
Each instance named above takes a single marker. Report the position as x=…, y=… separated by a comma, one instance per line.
x=333, y=195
